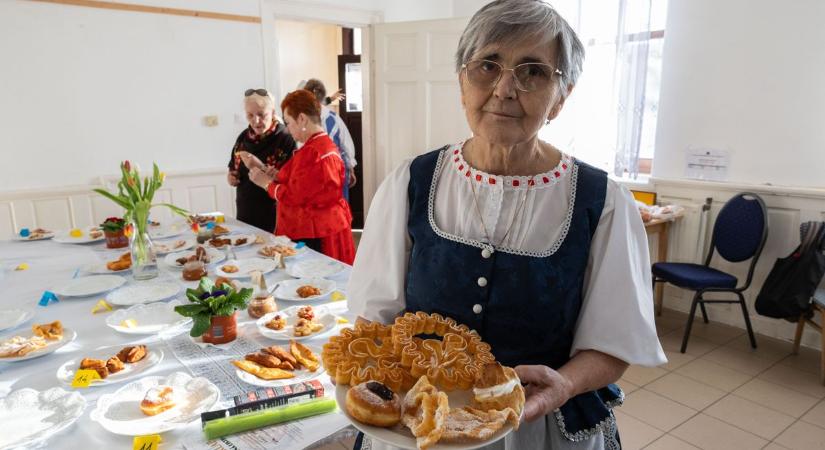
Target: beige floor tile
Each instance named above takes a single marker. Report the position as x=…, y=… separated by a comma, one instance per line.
x=804, y=382
x=750, y=416
x=713, y=374
x=715, y=332
x=676, y=359
x=709, y=433
x=656, y=410
x=697, y=346
x=738, y=360
x=634, y=433
x=776, y=397
x=816, y=415
x=686, y=391
x=807, y=360
x=765, y=346
x=627, y=387
x=803, y=436
x=668, y=442
x=640, y=376
x=775, y=446
x=667, y=323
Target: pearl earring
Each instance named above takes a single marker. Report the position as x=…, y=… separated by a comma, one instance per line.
x=303, y=129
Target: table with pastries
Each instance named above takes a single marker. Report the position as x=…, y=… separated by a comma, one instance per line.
x=31, y=270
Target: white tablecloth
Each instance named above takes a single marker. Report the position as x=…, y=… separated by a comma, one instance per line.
x=51, y=263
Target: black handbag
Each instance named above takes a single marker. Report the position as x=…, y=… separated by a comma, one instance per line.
x=787, y=291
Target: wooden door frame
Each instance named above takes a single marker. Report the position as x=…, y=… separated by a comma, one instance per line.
x=334, y=14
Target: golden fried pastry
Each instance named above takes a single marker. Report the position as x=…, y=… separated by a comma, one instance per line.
x=425, y=411
x=498, y=387
x=468, y=424
x=132, y=354
x=114, y=364
x=281, y=354
x=277, y=323
x=451, y=363
x=19, y=346
x=304, y=356
x=306, y=312
x=94, y=234
x=241, y=241
x=373, y=403
x=220, y=229
x=264, y=373
x=98, y=365
x=264, y=359
x=304, y=327
x=307, y=291
x=122, y=263
x=229, y=268
x=157, y=400
x=273, y=250
x=220, y=242
x=220, y=281
x=51, y=331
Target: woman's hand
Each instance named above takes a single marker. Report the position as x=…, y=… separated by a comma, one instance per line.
x=545, y=389
x=272, y=172
x=250, y=161
x=259, y=177
x=352, y=179
x=232, y=178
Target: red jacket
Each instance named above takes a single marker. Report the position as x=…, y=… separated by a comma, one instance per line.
x=309, y=191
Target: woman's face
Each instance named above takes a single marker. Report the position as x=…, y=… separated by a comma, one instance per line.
x=259, y=118
x=293, y=127
x=502, y=114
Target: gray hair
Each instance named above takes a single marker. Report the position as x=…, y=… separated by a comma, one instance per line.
x=509, y=21
x=266, y=102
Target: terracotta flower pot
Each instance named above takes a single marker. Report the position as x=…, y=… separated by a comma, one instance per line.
x=116, y=239
x=223, y=329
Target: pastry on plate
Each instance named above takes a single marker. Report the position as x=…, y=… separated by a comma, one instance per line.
x=468, y=424
x=264, y=359
x=98, y=365
x=278, y=322
x=307, y=291
x=114, y=364
x=424, y=412
x=122, y=263
x=132, y=354
x=498, y=387
x=94, y=234
x=373, y=403
x=306, y=312
x=264, y=373
x=281, y=354
x=51, y=331
x=19, y=346
x=229, y=268
x=304, y=356
x=219, y=242
x=304, y=327
x=240, y=241
x=157, y=400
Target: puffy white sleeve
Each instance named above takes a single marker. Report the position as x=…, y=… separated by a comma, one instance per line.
x=617, y=303
x=376, y=286
x=347, y=143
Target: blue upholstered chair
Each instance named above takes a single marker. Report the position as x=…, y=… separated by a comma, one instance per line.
x=739, y=234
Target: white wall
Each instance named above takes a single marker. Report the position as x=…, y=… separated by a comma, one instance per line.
x=745, y=76
x=308, y=50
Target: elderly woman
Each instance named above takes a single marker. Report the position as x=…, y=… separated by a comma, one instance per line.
x=311, y=205
x=539, y=252
x=264, y=143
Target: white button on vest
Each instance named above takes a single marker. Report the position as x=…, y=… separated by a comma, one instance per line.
x=477, y=308
x=486, y=253
x=482, y=281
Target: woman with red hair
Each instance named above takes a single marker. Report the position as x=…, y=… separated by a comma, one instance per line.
x=309, y=187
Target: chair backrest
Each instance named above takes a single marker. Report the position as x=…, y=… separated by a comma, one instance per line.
x=741, y=228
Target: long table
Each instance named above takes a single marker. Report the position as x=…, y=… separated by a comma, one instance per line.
x=50, y=263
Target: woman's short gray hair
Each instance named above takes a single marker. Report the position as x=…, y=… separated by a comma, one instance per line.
x=508, y=21
x=265, y=102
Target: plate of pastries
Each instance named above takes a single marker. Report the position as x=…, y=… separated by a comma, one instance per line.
x=279, y=365
x=236, y=240
x=243, y=268
x=155, y=404
x=304, y=289
x=296, y=323
x=37, y=234
x=284, y=250
x=200, y=253
x=423, y=393
x=113, y=365
x=121, y=263
x=179, y=245
x=44, y=339
x=80, y=236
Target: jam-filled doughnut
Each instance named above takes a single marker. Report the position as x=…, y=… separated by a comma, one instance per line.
x=373, y=403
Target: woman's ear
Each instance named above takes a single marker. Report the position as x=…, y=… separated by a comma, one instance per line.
x=556, y=109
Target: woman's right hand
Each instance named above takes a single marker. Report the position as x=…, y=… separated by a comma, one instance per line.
x=232, y=178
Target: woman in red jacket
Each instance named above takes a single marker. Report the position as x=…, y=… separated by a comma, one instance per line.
x=309, y=187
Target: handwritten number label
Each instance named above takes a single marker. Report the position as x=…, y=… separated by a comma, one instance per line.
x=149, y=442
x=83, y=378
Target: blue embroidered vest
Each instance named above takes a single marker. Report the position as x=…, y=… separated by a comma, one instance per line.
x=525, y=305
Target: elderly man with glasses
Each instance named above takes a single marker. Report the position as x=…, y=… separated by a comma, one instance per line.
x=539, y=252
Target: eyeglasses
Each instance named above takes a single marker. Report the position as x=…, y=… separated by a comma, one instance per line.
x=261, y=92
x=529, y=77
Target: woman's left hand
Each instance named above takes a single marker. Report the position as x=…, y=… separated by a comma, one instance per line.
x=545, y=388
x=259, y=177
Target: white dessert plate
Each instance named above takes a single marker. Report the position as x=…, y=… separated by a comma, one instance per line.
x=245, y=267
x=215, y=256
x=315, y=268
x=86, y=286
x=29, y=417
x=167, y=231
x=177, y=245
x=33, y=237
x=301, y=374
x=10, y=318
x=51, y=346
x=64, y=237
x=151, y=318
x=154, y=355
x=287, y=333
x=287, y=290
x=143, y=292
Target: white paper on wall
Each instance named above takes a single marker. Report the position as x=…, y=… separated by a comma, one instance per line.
x=707, y=164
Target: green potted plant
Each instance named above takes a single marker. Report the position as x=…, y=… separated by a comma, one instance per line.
x=213, y=310
x=135, y=194
x=113, y=229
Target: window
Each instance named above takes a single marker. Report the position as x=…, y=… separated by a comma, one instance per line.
x=610, y=119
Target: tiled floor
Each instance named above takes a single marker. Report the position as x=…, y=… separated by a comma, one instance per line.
x=720, y=394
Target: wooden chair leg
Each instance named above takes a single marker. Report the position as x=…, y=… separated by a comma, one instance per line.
x=747, y=319
x=658, y=296
x=696, y=298
x=797, y=338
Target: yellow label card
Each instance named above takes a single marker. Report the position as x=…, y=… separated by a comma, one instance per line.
x=337, y=296
x=101, y=306
x=149, y=442
x=84, y=377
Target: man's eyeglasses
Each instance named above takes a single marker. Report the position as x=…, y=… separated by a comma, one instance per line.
x=529, y=77
x=261, y=92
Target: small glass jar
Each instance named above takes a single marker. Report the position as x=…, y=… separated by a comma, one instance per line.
x=194, y=270
x=261, y=306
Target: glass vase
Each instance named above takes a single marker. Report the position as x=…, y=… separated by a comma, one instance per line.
x=144, y=259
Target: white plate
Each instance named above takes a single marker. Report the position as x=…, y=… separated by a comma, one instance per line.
x=65, y=238
x=48, y=235
x=120, y=413
x=152, y=318
x=30, y=417
x=250, y=239
x=51, y=346
x=86, y=286
x=287, y=289
x=215, y=256
x=322, y=316
x=401, y=437
x=154, y=355
x=143, y=292
x=175, y=245
x=298, y=252
x=246, y=267
x=301, y=375
x=167, y=231
x=315, y=268
x=10, y=318
x=101, y=269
